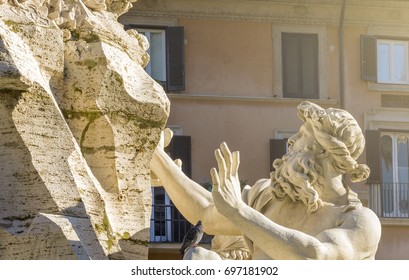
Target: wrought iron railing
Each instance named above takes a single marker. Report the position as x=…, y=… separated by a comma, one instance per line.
x=390, y=200
x=169, y=226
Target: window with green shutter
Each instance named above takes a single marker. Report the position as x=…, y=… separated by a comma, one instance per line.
x=384, y=60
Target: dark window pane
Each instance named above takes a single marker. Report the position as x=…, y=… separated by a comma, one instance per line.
x=278, y=148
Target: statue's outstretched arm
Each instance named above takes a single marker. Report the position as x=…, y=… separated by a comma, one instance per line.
x=355, y=240
x=192, y=200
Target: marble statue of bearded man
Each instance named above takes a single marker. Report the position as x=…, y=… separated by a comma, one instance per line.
x=303, y=211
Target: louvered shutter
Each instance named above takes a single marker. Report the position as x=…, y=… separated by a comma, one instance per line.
x=180, y=148
x=373, y=158
x=175, y=61
x=300, y=65
x=368, y=58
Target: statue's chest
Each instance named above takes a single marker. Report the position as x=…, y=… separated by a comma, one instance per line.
x=294, y=215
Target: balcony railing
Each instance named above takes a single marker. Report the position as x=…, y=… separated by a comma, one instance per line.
x=169, y=226
x=390, y=200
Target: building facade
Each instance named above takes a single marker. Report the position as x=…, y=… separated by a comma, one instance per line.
x=235, y=70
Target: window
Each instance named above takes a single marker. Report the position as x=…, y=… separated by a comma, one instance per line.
x=384, y=61
x=156, y=67
x=300, y=68
x=395, y=171
x=390, y=178
x=300, y=65
x=392, y=62
x=167, y=224
x=166, y=51
x=279, y=145
x=161, y=226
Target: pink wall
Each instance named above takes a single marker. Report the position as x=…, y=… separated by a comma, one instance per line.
x=394, y=243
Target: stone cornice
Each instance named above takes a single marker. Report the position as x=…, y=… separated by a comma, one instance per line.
x=247, y=99
x=394, y=222
x=357, y=12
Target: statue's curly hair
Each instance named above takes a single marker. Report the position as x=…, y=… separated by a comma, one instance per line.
x=340, y=135
x=337, y=133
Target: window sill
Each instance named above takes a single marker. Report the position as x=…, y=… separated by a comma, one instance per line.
x=210, y=97
x=394, y=221
x=388, y=87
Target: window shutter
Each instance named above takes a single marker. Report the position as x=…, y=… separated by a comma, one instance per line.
x=180, y=148
x=278, y=148
x=369, y=70
x=309, y=66
x=300, y=65
x=373, y=158
x=175, y=61
x=291, y=63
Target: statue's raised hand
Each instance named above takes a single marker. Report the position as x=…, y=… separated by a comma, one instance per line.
x=226, y=184
x=165, y=138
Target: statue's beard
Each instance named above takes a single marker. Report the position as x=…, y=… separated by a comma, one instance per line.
x=296, y=175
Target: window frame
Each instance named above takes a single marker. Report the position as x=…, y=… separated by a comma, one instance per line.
x=382, y=120
x=394, y=135
x=369, y=41
x=397, y=189
x=174, y=55
x=392, y=43
x=167, y=237
x=278, y=52
x=148, y=32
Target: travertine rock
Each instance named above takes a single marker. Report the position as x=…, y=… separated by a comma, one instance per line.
x=79, y=120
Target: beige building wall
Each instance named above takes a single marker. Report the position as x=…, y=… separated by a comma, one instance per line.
x=394, y=243
x=230, y=93
x=229, y=58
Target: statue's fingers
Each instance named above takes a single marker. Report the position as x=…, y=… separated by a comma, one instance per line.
x=227, y=157
x=215, y=179
x=236, y=163
x=178, y=163
x=222, y=166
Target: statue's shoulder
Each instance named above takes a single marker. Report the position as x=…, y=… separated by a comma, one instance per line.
x=364, y=216
x=364, y=229
x=258, y=195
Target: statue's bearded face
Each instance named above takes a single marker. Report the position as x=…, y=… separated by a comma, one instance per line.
x=297, y=172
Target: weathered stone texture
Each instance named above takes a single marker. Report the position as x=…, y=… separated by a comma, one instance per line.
x=79, y=120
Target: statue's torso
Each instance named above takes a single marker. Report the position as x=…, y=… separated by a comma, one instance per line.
x=294, y=215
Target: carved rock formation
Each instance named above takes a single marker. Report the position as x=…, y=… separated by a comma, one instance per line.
x=79, y=120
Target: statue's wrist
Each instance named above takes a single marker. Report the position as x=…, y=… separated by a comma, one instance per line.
x=236, y=211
